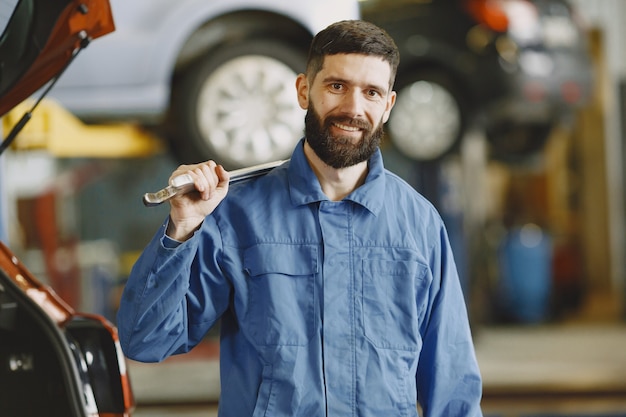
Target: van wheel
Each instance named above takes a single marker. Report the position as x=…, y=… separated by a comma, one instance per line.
x=238, y=105
x=427, y=120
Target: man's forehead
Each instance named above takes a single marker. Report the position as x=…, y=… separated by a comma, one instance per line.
x=357, y=67
x=357, y=57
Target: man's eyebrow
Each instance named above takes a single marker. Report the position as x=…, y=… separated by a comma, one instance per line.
x=331, y=79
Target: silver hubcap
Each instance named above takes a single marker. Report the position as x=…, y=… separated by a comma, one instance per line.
x=248, y=112
x=425, y=120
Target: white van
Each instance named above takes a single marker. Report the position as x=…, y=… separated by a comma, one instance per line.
x=213, y=77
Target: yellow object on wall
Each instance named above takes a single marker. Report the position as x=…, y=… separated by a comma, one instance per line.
x=54, y=128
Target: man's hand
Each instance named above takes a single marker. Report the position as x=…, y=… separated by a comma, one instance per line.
x=187, y=211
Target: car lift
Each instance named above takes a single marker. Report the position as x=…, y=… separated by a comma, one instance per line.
x=61, y=133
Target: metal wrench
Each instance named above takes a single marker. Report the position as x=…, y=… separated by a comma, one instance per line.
x=183, y=184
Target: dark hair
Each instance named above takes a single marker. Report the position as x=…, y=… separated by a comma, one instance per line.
x=352, y=37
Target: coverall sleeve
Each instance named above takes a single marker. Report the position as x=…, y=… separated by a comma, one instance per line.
x=448, y=378
x=173, y=296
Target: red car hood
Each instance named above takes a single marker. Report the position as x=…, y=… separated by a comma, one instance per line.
x=39, y=40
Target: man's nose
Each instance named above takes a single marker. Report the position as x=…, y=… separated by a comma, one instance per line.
x=353, y=104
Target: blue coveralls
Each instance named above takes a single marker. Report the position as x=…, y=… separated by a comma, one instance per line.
x=349, y=308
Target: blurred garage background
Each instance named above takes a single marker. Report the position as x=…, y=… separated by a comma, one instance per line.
x=510, y=118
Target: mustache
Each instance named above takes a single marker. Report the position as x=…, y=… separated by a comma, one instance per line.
x=348, y=121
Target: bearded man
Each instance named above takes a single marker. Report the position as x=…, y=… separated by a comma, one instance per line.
x=333, y=279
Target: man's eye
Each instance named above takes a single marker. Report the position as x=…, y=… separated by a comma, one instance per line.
x=336, y=86
x=373, y=93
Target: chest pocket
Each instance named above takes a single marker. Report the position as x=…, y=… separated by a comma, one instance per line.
x=393, y=296
x=281, y=293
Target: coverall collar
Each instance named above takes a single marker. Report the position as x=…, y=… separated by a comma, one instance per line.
x=304, y=187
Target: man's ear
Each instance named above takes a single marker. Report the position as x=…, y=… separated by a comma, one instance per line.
x=302, y=89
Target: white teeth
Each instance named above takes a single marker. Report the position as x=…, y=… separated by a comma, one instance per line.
x=349, y=128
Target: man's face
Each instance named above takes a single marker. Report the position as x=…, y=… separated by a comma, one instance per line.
x=347, y=104
x=340, y=151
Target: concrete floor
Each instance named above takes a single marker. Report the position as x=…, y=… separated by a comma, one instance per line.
x=177, y=411
x=566, y=369
x=545, y=359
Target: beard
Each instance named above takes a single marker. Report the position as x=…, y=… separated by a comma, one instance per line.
x=339, y=151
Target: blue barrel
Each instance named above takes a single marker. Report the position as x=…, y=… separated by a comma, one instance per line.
x=525, y=286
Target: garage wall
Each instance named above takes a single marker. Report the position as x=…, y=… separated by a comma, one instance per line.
x=609, y=17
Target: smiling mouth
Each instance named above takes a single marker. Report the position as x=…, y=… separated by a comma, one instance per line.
x=347, y=127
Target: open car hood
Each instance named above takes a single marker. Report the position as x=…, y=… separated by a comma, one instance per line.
x=40, y=38
x=54, y=361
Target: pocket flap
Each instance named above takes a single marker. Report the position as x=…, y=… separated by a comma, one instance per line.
x=272, y=258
